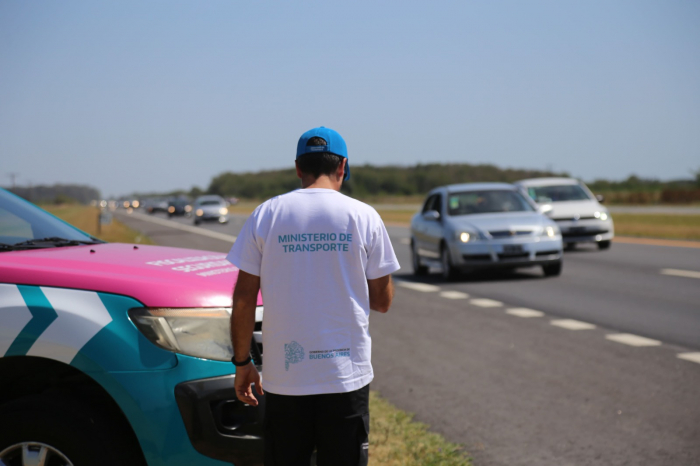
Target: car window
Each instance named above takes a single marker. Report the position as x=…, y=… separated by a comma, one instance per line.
x=567, y=192
x=21, y=221
x=428, y=203
x=214, y=202
x=487, y=201
x=437, y=203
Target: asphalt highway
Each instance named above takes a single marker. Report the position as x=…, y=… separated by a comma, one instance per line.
x=600, y=366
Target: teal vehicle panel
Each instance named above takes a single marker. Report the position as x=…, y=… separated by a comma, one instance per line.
x=42, y=316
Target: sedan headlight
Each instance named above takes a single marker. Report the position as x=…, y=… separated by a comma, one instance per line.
x=202, y=333
x=188, y=208
x=601, y=215
x=550, y=231
x=199, y=212
x=171, y=209
x=223, y=211
x=466, y=236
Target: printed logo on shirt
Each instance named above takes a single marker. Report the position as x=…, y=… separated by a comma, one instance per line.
x=315, y=242
x=293, y=353
x=330, y=354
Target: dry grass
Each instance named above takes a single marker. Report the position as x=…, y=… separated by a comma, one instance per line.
x=86, y=218
x=396, y=440
x=666, y=226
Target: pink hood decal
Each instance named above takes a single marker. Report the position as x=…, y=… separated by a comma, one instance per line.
x=154, y=275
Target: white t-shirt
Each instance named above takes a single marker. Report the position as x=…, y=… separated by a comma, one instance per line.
x=314, y=250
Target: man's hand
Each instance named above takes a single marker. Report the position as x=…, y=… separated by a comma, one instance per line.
x=245, y=376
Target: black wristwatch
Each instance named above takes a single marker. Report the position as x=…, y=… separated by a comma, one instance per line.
x=239, y=364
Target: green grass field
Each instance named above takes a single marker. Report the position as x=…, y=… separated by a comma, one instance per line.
x=86, y=218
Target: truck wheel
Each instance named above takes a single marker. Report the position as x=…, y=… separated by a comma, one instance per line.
x=418, y=269
x=552, y=270
x=53, y=431
x=604, y=244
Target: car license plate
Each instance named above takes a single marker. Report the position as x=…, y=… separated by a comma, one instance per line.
x=512, y=249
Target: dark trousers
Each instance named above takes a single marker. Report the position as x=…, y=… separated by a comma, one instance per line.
x=336, y=424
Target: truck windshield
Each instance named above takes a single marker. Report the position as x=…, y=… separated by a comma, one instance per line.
x=25, y=226
x=485, y=202
x=567, y=192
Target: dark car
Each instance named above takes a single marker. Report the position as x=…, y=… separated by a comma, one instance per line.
x=179, y=207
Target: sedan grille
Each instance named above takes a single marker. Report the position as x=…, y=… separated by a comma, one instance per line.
x=509, y=233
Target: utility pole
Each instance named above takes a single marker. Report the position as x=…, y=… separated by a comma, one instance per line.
x=12, y=177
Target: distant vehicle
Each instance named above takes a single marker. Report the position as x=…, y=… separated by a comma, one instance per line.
x=475, y=226
x=179, y=207
x=574, y=207
x=210, y=208
x=153, y=206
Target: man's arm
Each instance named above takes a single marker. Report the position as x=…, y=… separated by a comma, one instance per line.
x=245, y=298
x=381, y=293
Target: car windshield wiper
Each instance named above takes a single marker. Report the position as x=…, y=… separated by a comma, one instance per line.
x=52, y=241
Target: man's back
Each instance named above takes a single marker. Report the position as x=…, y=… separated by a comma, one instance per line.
x=317, y=249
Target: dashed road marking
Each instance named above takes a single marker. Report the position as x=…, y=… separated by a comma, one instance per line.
x=483, y=302
x=571, y=324
x=681, y=273
x=187, y=228
x=632, y=340
x=524, y=312
x=423, y=287
x=693, y=357
x=454, y=295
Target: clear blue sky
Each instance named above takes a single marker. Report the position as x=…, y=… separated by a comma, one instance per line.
x=158, y=95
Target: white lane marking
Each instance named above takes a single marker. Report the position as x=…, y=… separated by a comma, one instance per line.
x=681, y=273
x=483, y=302
x=524, y=312
x=454, y=295
x=14, y=315
x=81, y=314
x=187, y=228
x=571, y=324
x=405, y=241
x=693, y=357
x=632, y=340
x=423, y=287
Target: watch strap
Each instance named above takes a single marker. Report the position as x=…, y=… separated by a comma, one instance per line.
x=242, y=363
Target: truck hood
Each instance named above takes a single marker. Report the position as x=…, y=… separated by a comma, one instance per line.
x=154, y=275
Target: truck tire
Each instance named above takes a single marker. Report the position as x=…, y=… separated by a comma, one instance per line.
x=64, y=432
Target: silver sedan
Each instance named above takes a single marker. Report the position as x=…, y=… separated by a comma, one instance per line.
x=473, y=226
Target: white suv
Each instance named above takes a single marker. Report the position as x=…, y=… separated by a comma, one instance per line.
x=579, y=214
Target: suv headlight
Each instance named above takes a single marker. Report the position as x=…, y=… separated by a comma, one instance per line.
x=202, y=333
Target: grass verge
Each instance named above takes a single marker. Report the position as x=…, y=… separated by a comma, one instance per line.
x=666, y=226
x=396, y=440
x=86, y=218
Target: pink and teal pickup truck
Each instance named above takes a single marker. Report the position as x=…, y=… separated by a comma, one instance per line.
x=116, y=354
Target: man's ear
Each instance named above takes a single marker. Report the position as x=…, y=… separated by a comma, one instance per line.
x=341, y=169
x=299, y=174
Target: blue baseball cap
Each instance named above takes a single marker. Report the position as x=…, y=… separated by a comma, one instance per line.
x=335, y=144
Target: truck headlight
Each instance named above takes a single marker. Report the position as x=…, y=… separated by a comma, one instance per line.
x=202, y=333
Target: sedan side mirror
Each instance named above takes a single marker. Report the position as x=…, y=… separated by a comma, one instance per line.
x=600, y=198
x=545, y=209
x=433, y=215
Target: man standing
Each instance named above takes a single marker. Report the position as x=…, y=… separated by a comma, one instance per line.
x=322, y=260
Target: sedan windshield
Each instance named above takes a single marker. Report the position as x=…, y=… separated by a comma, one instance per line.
x=25, y=226
x=567, y=192
x=485, y=202
x=215, y=202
